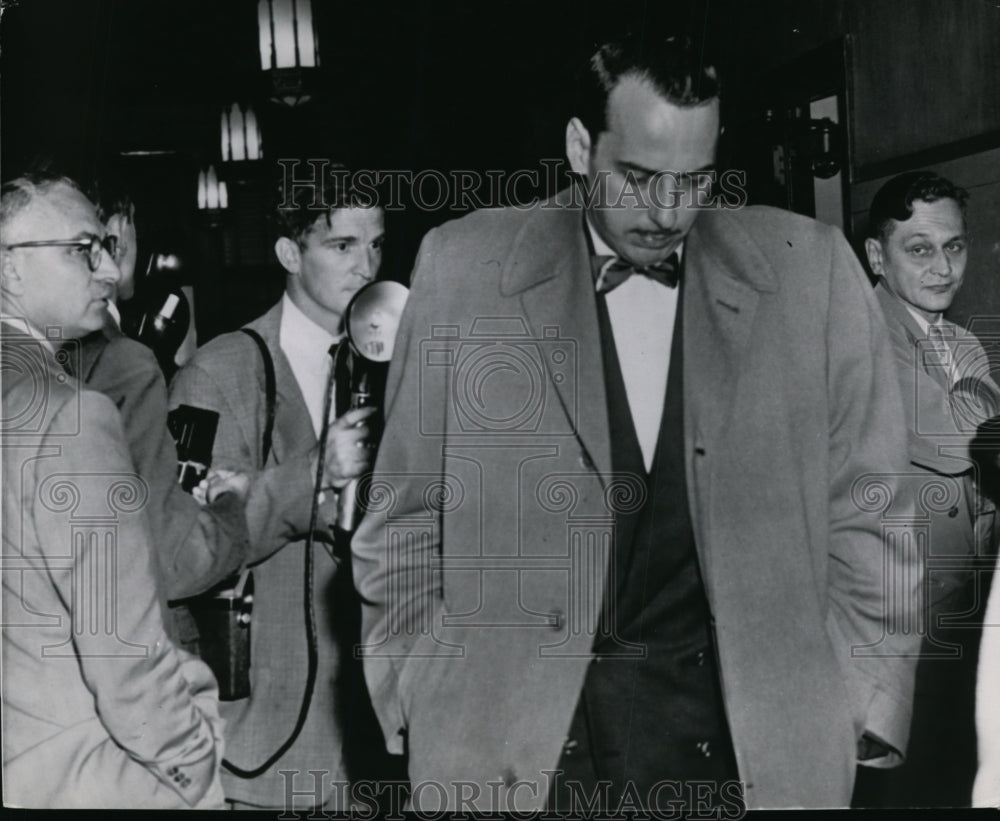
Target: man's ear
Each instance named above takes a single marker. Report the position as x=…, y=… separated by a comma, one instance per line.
x=873, y=250
x=577, y=145
x=10, y=279
x=288, y=253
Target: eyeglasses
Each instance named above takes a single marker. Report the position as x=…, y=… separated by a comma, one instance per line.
x=94, y=245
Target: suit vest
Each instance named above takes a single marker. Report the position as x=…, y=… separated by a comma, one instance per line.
x=658, y=717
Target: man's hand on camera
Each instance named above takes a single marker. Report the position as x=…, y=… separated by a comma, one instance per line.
x=218, y=482
x=348, y=453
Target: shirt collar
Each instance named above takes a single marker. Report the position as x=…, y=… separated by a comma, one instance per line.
x=19, y=323
x=300, y=334
x=115, y=314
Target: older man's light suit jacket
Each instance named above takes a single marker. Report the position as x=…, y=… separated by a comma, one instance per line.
x=483, y=556
x=100, y=709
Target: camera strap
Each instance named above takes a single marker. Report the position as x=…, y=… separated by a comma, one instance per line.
x=312, y=648
x=270, y=392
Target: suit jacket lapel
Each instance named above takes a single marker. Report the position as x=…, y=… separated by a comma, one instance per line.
x=293, y=430
x=926, y=395
x=896, y=311
x=92, y=347
x=549, y=266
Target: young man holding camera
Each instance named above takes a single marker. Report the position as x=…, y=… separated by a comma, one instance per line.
x=328, y=253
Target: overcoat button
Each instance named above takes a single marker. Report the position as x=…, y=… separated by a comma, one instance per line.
x=704, y=748
x=953, y=513
x=586, y=462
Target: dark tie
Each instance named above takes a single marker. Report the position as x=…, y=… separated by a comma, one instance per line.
x=610, y=272
x=340, y=374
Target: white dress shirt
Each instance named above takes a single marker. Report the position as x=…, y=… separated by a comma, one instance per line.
x=642, y=313
x=307, y=345
x=115, y=314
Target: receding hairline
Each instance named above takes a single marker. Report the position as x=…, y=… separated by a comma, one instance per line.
x=24, y=196
x=642, y=79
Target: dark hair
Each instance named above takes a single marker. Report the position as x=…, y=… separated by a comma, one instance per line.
x=110, y=197
x=17, y=194
x=894, y=200
x=298, y=206
x=677, y=70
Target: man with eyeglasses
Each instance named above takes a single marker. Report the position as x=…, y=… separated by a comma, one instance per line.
x=100, y=709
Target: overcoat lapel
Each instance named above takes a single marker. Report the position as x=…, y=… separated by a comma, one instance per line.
x=549, y=267
x=725, y=274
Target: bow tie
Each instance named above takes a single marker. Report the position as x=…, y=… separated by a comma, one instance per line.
x=610, y=272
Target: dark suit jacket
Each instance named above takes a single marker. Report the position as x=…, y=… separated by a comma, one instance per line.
x=479, y=565
x=195, y=547
x=227, y=375
x=99, y=708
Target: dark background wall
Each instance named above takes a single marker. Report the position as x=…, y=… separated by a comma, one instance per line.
x=472, y=85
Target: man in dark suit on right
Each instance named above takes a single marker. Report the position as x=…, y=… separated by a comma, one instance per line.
x=918, y=248
x=619, y=532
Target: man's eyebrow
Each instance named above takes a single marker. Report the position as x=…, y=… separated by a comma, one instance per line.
x=336, y=240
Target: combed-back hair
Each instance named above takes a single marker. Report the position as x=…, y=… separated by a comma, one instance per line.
x=676, y=68
x=894, y=200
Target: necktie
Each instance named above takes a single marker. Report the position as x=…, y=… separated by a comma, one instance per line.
x=610, y=272
x=340, y=373
x=337, y=354
x=942, y=353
